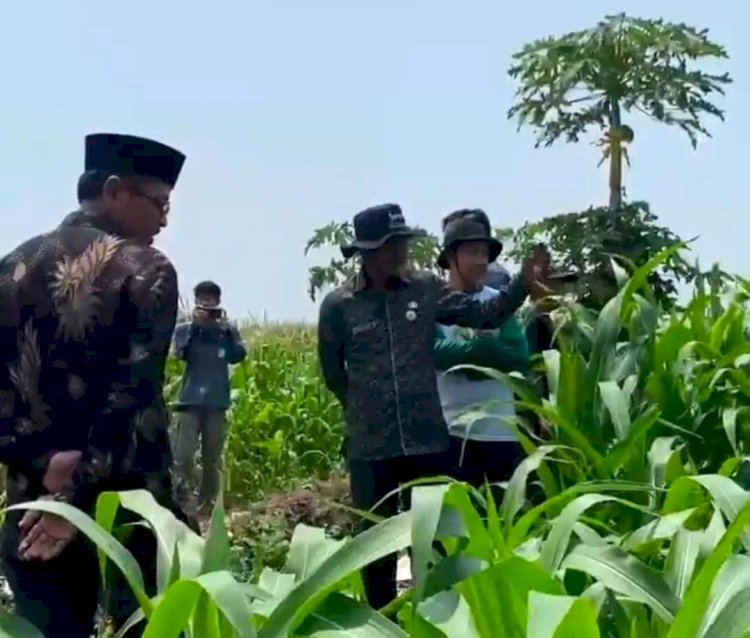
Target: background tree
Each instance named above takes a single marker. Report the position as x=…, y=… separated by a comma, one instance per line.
x=591, y=81
x=586, y=242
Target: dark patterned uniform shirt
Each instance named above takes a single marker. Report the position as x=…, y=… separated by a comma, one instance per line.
x=375, y=351
x=86, y=320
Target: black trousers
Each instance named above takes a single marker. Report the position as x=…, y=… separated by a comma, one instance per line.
x=370, y=482
x=477, y=462
x=60, y=597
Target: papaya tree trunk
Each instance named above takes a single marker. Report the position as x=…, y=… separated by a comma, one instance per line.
x=615, y=157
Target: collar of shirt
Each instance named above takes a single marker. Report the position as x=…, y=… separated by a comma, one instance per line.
x=90, y=219
x=360, y=281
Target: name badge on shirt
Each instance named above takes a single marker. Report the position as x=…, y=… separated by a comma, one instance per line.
x=222, y=353
x=364, y=327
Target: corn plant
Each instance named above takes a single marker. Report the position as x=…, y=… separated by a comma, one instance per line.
x=198, y=597
x=195, y=591
x=632, y=380
x=512, y=569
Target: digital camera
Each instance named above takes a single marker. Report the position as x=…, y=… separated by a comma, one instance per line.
x=211, y=312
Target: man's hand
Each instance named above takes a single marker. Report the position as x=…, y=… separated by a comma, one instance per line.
x=544, y=296
x=60, y=469
x=227, y=326
x=36, y=541
x=535, y=270
x=537, y=265
x=47, y=538
x=200, y=317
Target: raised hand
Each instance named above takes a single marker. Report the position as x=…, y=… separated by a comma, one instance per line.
x=535, y=271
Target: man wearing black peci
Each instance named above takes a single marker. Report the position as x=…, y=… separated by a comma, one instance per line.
x=87, y=314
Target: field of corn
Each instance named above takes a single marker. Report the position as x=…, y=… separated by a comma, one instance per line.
x=286, y=427
x=629, y=520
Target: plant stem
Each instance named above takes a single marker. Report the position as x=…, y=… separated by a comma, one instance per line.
x=615, y=157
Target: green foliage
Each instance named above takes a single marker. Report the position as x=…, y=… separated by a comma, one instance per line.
x=586, y=243
x=261, y=532
x=332, y=235
x=592, y=79
x=635, y=382
x=285, y=423
x=196, y=592
x=571, y=83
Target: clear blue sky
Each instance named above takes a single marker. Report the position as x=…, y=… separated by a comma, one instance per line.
x=296, y=112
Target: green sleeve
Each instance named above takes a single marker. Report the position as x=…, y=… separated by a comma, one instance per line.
x=447, y=353
x=506, y=351
x=511, y=347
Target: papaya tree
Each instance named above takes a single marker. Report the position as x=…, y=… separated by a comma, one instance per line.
x=595, y=80
x=594, y=83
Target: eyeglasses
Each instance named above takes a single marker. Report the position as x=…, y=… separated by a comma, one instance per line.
x=162, y=204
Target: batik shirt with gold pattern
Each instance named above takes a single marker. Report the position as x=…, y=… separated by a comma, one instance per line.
x=152, y=467
x=85, y=325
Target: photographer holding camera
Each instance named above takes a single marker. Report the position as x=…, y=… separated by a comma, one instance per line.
x=208, y=344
